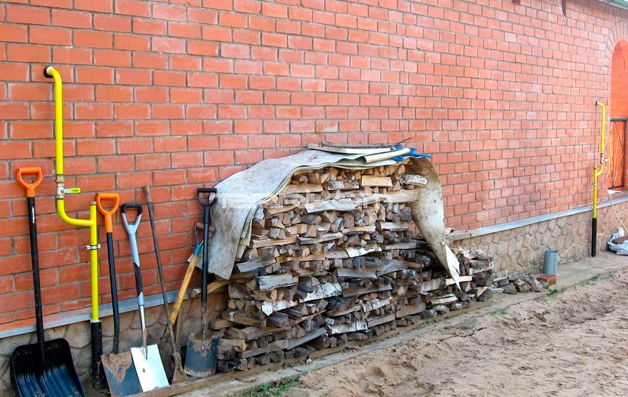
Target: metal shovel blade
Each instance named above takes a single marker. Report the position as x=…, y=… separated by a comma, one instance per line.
x=150, y=369
x=121, y=374
x=201, y=356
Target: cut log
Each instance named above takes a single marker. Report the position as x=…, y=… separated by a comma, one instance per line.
x=344, y=328
x=330, y=205
x=266, y=283
x=379, y=181
x=409, y=179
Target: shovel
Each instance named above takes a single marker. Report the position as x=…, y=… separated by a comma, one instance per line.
x=44, y=368
x=147, y=361
x=178, y=374
x=202, y=354
x=119, y=369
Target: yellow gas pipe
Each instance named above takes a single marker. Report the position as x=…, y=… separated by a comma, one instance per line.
x=96, y=327
x=596, y=173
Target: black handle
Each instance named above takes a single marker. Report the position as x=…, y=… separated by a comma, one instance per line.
x=131, y=206
x=138, y=283
x=209, y=200
x=39, y=318
x=206, y=204
x=114, y=295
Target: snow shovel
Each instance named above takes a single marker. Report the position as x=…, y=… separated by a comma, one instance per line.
x=44, y=368
x=202, y=354
x=147, y=361
x=119, y=369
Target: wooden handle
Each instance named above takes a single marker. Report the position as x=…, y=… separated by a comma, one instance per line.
x=184, y=288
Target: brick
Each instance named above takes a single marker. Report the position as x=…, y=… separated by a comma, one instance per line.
x=207, y=80
x=274, y=39
x=203, y=15
x=166, y=44
x=52, y=3
x=114, y=94
x=151, y=128
x=170, y=144
x=131, y=111
x=169, y=12
x=216, y=33
x=30, y=129
x=27, y=15
x=233, y=20
x=28, y=53
x=167, y=78
x=93, y=111
x=133, y=77
x=25, y=92
x=100, y=5
x=185, y=62
x=149, y=60
x=91, y=147
x=112, y=23
x=132, y=7
x=151, y=94
x=14, y=71
x=184, y=30
x=94, y=75
x=112, y=58
x=72, y=19
x=74, y=56
x=14, y=33
x=93, y=39
x=149, y=26
x=201, y=112
x=131, y=42
x=202, y=48
x=170, y=111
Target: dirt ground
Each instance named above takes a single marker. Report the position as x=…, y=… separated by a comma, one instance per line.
x=569, y=343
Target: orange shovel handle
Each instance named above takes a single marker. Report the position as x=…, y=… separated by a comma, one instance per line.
x=29, y=186
x=108, y=213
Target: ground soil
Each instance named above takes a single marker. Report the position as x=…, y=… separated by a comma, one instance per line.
x=569, y=343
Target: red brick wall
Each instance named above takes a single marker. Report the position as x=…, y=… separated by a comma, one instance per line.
x=182, y=94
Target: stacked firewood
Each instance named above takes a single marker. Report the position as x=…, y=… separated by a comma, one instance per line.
x=335, y=257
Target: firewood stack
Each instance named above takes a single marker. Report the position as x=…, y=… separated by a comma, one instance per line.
x=335, y=257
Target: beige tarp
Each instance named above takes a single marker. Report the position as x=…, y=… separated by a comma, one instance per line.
x=240, y=195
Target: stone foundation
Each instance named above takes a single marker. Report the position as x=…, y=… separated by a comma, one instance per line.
x=523, y=248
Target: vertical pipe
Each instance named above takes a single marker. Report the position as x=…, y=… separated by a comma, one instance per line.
x=596, y=173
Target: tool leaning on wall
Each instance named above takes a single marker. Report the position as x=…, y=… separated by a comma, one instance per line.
x=147, y=361
x=44, y=368
x=119, y=369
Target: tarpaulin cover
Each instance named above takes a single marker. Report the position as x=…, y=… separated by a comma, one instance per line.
x=240, y=195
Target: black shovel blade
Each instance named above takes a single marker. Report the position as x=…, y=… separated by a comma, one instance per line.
x=56, y=377
x=201, y=357
x=121, y=374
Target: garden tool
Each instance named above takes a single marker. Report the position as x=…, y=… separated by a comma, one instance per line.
x=187, y=277
x=44, y=368
x=119, y=369
x=146, y=359
x=178, y=374
x=202, y=354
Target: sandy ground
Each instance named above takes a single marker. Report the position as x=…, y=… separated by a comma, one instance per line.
x=573, y=343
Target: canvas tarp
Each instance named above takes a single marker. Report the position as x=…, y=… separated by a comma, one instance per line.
x=240, y=195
